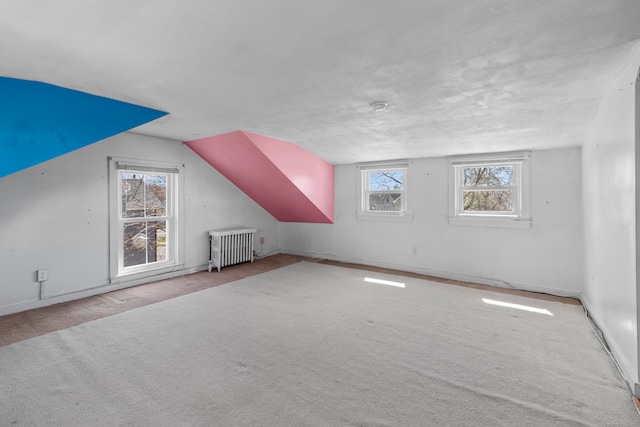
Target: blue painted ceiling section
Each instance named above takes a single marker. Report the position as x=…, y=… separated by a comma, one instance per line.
x=39, y=121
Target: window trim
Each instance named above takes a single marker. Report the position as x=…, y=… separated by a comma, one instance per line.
x=519, y=218
x=362, y=211
x=175, y=213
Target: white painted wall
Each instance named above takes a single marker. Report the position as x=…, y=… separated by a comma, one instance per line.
x=610, y=207
x=547, y=257
x=55, y=216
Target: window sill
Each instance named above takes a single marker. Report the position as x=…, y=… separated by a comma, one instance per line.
x=142, y=274
x=401, y=217
x=490, y=222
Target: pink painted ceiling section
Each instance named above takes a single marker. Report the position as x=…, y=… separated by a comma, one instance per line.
x=290, y=183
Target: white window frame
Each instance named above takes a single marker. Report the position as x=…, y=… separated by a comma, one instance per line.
x=363, y=211
x=518, y=218
x=174, y=217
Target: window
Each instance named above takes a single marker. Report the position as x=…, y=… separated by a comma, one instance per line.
x=145, y=218
x=490, y=190
x=383, y=190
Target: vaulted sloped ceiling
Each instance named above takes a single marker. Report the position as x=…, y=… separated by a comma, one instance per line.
x=290, y=183
x=460, y=77
x=39, y=121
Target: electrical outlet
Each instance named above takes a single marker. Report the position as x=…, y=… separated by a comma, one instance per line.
x=262, y=240
x=415, y=250
x=43, y=275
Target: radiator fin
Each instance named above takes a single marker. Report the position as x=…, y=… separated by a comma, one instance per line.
x=230, y=246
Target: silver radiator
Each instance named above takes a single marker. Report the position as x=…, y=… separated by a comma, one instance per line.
x=230, y=246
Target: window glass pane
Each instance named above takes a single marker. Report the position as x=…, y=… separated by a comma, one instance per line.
x=135, y=243
x=385, y=202
x=157, y=243
x=156, y=195
x=132, y=195
x=386, y=180
x=488, y=201
x=144, y=242
x=488, y=176
x=145, y=223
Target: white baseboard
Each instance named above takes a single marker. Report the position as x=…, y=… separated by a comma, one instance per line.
x=95, y=290
x=441, y=274
x=626, y=371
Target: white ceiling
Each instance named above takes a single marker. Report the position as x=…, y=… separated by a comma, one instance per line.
x=461, y=76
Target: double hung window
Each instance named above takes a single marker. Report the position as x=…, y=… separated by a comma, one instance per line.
x=490, y=188
x=145, y=217
x=383, y=190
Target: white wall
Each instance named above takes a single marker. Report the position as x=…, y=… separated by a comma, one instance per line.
x=55, y=216
x=610, y=180
x=547, y=257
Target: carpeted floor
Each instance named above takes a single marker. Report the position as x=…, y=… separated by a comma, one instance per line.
x=312, y=344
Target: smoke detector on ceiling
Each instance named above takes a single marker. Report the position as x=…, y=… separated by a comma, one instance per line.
x=379, y=105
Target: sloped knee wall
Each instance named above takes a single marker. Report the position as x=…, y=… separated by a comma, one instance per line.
x=40, y=121
x=290, y=183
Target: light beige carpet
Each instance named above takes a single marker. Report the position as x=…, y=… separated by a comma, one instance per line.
x=317, y=345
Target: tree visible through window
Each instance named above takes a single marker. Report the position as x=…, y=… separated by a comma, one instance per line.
x=385, y=190
x=382, y=191
x=146, y=230
x=488, y=189
x=144, y=218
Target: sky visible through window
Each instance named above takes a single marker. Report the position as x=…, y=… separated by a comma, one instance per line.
x=144, y=196
x=386, y=180
x=488, y=176
x=385, y=190
x=497, y=180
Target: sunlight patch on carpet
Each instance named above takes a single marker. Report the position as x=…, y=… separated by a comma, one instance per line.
x=517, y=306
x=384, y=282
